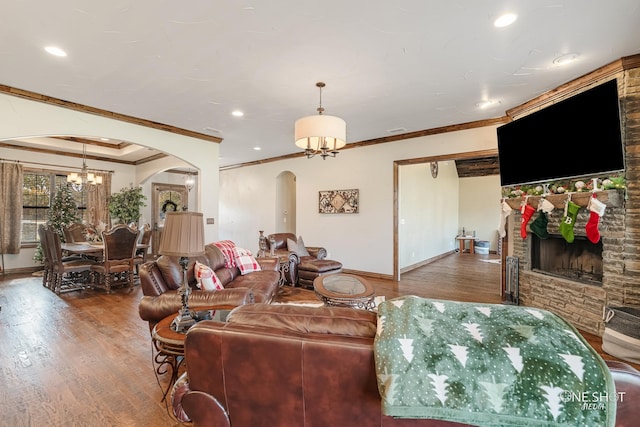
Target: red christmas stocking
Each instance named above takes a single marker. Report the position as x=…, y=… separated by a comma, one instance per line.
x=527, y=212
x=593, y=233
x=597, y=209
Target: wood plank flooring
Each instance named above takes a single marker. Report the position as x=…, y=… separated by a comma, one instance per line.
x=457, y=277
x=85, y=358
x=79, y=359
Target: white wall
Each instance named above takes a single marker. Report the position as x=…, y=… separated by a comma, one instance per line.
x=20, y=118
x=246, y=195
x=480, y=207
x=362, y=241
x=428, y=212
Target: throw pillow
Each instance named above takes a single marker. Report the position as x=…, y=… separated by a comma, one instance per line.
x=206, y=277
x=297, y=247
x=245, y=261
x=226, y=247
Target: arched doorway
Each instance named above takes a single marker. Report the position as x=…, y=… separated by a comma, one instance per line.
x=165, y=198
x=285, y=203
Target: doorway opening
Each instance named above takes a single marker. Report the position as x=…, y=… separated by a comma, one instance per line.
x=165, y=198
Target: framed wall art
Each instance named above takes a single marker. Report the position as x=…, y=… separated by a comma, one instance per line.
x=339, y=201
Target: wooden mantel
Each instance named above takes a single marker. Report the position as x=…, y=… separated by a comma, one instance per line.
x=613, y=198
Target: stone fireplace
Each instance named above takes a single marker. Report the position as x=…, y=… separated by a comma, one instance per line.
x=576, y=280
x=580, y=286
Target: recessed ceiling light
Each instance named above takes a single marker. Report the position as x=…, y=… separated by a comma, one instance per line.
x=237, y=113
x=56, y=51
x=505, y=20
x=488, y=103
x=257, y=148
x=566, y=58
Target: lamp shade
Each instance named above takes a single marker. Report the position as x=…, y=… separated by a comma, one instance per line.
x=317, y=131
x=183, y=234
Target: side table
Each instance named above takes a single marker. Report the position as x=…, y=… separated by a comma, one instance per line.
x=470, y=239
x=169, y=348
x=283, y=267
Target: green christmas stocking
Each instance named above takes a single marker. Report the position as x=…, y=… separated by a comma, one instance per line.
x=569, y=221
x=539, y=226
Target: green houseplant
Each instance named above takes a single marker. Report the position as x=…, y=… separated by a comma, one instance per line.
x=125, y=205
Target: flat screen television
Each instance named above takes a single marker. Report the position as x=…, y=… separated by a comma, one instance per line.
x=579, y=136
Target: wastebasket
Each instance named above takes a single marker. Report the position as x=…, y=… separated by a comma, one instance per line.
x=481, y=247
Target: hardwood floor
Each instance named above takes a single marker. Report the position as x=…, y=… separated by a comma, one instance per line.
x=455, y=277
x=84, y=358
x=78, y=359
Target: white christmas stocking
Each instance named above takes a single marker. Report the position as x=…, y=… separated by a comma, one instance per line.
x=504, y=214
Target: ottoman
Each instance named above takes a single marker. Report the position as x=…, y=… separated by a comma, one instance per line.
x=309, y=269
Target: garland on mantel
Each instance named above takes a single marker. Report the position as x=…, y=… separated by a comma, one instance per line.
x=539, y=226
x=615, y=182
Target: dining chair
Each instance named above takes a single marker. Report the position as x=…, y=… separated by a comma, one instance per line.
x=144, y=240
x=66, y=275
x=74, y=232
x=47, y=273
x=118, y=261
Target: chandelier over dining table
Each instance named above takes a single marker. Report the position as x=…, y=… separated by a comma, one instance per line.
x=85, y=180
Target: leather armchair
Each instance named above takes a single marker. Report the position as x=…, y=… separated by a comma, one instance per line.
x=282, y=251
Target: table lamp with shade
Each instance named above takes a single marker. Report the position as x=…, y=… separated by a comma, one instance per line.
x=183, y=236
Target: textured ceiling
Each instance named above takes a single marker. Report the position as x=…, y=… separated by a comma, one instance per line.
x=390, y=66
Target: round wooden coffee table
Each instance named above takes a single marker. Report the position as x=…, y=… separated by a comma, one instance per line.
x=345, y=290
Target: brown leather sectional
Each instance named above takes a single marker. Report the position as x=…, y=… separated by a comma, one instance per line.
x=280, y=365
x=161, y=279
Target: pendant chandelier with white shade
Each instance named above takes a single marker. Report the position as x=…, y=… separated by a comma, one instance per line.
x=320, y=134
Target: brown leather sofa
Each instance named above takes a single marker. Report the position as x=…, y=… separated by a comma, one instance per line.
x=279, y=365
x=160, y=281
x=303, y=269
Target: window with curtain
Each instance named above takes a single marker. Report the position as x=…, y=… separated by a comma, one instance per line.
x=39, y=188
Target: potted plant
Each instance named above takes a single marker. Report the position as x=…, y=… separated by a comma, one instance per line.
x=125, y=205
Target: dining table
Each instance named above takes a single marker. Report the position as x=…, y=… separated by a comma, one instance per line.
x=93, y=249
x=83, y=248
x=89, y=250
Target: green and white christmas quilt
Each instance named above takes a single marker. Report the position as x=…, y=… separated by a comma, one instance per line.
x=488, y=365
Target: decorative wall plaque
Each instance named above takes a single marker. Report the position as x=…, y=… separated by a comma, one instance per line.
x=339, y=201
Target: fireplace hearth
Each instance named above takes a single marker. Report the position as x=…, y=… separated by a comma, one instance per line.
x=580, y=261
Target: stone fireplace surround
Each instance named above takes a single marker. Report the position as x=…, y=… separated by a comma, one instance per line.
x=580, y=303
x=583, y=304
